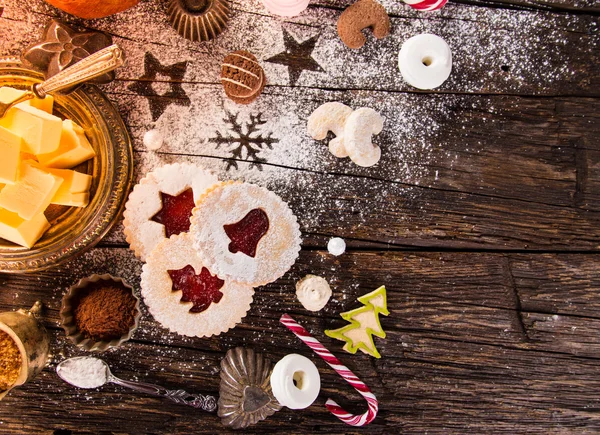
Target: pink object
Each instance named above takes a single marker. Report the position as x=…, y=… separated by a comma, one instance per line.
x=343, y=371
x=426, y=5
x=286, y=8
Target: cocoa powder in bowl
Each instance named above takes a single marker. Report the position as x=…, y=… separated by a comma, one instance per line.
x=105, y=311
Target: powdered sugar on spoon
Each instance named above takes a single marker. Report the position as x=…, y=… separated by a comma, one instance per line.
x=91, y=372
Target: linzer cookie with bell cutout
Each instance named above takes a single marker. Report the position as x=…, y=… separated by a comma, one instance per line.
x=162, y=203
x=245, y=233
x=186, y=296
x=242, y=76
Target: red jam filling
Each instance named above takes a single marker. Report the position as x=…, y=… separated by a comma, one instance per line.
x=175, y=212
x=246, y=233
x=201, y=290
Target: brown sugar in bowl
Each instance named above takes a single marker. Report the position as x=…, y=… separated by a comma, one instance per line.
x=95, y=330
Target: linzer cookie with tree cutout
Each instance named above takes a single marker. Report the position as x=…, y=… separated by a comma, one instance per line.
x=186, y=296
x=162, y=203
x=242, y=76
x=245, y=233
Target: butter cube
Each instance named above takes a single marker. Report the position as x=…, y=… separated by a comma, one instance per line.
x=40, y=131
x=74, y=188
x=80, y=199
x=74, y=148
x=32, y=192
x=10, y=150
x=8, y=94
x=20, y=231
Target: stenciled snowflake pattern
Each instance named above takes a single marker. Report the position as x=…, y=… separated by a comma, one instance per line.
x=245, y=143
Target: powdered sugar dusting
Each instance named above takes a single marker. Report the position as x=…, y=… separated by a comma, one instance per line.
x=494, y=50
x=276, y=251
x=166, y=306
x=144, y=202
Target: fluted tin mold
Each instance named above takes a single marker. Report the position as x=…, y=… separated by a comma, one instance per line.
x=199, y=20
x=245, y=395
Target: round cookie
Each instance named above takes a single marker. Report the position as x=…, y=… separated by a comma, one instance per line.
x=173, y=307
x=146, y=201
x=242, y=76
x=425, y=61
x=295, y=381
x=245, y=233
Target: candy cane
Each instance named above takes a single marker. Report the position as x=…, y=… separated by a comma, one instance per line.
x=426, y=5
x=343, y=371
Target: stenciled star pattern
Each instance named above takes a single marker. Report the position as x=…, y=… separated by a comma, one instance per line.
x=297, y=57
x=175, y=95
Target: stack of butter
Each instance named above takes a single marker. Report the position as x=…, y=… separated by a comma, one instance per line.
x=37, y=148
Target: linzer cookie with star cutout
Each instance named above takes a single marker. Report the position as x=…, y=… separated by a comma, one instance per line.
x=242, y=76
x=161, y=204
x=186, y=296
x=245, y=233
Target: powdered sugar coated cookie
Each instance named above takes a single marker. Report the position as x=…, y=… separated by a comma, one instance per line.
x=145, y=201
x=360, y=125
x=332, y=117
x=166, y=305
x=245, y=233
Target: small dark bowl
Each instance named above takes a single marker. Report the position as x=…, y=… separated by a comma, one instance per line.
x=67, y=315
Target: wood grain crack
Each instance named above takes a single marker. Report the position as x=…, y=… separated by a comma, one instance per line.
x=514, y=292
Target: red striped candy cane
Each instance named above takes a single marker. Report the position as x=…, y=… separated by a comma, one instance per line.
x=426, y=5
x=343, y=371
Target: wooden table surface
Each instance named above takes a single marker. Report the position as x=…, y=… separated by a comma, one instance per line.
x=482, y=218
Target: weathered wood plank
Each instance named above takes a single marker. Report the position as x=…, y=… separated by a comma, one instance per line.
x=435, y=386
x=456, y=171
x=543, y=53
x=455, y=359
x=452, y=296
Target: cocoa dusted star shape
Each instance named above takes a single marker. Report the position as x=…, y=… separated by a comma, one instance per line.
x=61, y=46
x=176, y=94
x=297, y=56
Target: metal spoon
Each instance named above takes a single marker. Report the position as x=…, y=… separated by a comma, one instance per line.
x=93, y=66
x=104, y=376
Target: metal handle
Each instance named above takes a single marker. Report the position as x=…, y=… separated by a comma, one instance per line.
x=205, y=402
x=93, y=66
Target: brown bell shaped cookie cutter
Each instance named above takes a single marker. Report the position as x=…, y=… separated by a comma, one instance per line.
x=362, y=15
x=199, y=20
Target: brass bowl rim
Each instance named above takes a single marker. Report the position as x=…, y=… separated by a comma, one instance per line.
x=100, y=221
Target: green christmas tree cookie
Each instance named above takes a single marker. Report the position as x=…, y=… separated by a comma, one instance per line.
x=364, y=324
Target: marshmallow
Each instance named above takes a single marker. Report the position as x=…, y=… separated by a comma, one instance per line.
x=425, y=61
x=153, y=140
x=360, y=125
x=336, y=246
x=295, y=381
